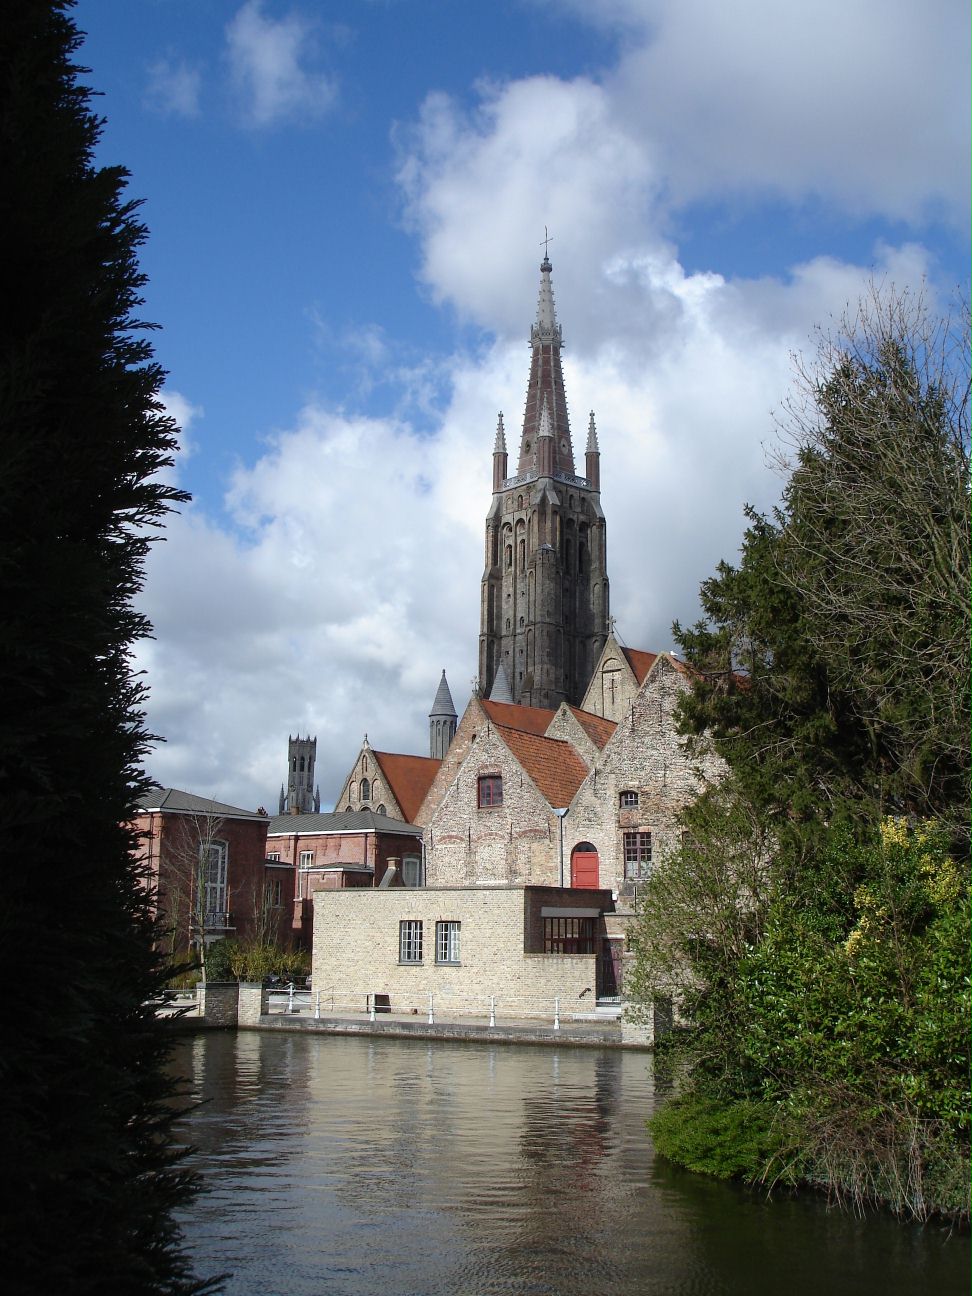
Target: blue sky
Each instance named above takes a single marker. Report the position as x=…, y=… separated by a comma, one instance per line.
x=346, y=200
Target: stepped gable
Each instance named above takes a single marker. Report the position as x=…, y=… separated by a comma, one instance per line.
x=409, y=778
x=640, y=662
x=596, y=727
x=524, y=719
x=552, y=764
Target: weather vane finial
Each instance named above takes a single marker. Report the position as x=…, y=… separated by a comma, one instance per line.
x=546, y=240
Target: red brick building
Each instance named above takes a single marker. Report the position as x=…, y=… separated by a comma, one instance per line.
x=207, y=862
x=332, y=852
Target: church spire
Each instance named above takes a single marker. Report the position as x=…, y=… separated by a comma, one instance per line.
x=546, y=386
x=593, y=456
x=499, y=455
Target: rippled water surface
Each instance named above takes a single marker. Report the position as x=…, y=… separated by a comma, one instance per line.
x=355, y=1167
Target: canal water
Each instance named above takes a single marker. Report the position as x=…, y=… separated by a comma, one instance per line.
x=369, y=1167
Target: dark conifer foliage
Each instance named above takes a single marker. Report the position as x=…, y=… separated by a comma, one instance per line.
x=92, y=1170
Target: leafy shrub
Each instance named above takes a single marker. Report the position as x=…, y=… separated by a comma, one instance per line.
x=728, y=1140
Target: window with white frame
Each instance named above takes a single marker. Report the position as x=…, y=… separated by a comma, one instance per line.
x=214, y=859
x=410, y=940
x=447, y=941
x=637, y=854
x=273, y=855
x=412, y=870
x=306, y=859
x=629, y=800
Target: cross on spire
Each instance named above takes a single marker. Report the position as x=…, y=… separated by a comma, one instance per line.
x=547, y=239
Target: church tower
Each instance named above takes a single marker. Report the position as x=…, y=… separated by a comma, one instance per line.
x=300, y=796
x=545, y=606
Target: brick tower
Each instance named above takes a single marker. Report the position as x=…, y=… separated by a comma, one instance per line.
x=545, y=607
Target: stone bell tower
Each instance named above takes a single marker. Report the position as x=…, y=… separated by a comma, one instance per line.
x=545, y=605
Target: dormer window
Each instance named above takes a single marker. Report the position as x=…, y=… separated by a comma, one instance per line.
x=629, y=800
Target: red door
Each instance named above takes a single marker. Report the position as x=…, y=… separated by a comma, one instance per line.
x=584, y=866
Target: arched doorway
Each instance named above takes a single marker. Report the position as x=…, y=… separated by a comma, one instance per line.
x=585, y=866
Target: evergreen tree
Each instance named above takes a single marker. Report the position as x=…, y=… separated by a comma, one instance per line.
x=93, y=1171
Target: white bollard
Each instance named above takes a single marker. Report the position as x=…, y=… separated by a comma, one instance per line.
x=317, y=1005
x=371, y=1014
x=431, y=1012
x=492, y=1010
x=556, y=1025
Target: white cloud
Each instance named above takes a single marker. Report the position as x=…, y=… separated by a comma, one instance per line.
x=267, y=60
x=173, y=88
x=863, y=105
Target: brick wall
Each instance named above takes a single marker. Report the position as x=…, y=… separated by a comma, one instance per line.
x=356, y=953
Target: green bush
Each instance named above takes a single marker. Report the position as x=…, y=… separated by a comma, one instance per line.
x=728, y=1140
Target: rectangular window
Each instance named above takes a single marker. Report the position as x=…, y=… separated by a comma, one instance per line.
x=447, y=942
x=273, y=855
x=410, y=940
x=568, y=935
x=412, y=870
x=490, y=790
x=306, y=859
x=274, y=895
x=214, y=884
x=637, y=854
x=628, y=800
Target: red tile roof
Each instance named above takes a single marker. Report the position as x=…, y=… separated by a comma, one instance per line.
x=552, y=764
x=640, y=662
x=596, y=727
x=409, y=778
x=524, y=719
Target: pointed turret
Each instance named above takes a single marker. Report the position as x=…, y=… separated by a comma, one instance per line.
x=442, y=721
x=500, y=457
x=500, y=691
x=545, y=442
x=593, y=456
x=546, y=383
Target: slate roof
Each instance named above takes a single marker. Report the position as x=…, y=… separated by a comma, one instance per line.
x=443, y=704
x=340, y=821
x=596, y=727
x=173, y=799
x=551, y=763
x=524, y=719
x=640, y=662
x=409, y=778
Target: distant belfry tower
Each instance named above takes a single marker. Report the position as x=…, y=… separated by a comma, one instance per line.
x=442, y=721
x=300, y=796
x=545, y=604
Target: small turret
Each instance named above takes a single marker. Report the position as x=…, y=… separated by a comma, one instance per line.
x=442, y=721
x=500, y=457
x=593, y=456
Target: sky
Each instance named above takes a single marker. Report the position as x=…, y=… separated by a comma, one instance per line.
x=346, y=201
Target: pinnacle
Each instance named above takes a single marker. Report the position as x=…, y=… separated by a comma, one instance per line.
x=500, y=445
x=592, y=446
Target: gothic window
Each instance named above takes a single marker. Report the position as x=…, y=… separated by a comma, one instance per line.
x=519, y=501
x=347, y=809
x=508, y=623
x=294, y=765
x=522, y=555
x=509, y=557
x=364, y=764
x=382, y=809
x=301, y=764
x=365, y=790
x=628, y=799
x=489, y=789
x=521, y=623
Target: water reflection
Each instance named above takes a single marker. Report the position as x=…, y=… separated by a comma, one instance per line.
x=360, y=1166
